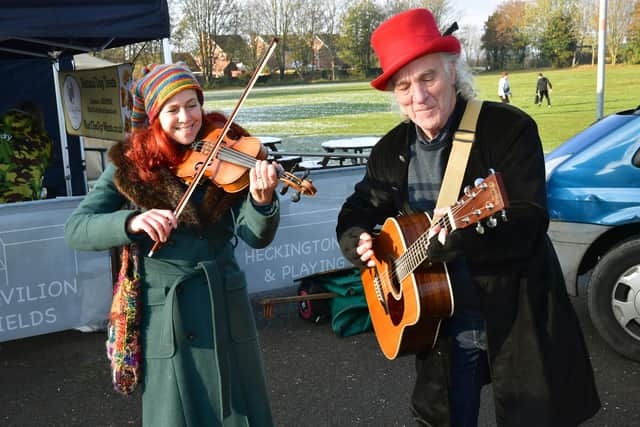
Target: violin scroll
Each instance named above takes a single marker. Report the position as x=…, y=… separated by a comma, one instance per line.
x=301, y=185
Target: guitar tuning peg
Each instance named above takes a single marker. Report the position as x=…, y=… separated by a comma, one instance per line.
x=479, y=228
x=296, y=197
x=503, y=215
x=467, y=190
x=477, y=182
x=492, y=222
x=492, y=171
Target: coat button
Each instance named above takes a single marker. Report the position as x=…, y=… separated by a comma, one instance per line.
x=179, y=289
x=200, y=237
x=191, y=336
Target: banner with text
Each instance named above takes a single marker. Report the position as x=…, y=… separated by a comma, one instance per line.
x=97, y=102
x=305, y=243
x=45, y=286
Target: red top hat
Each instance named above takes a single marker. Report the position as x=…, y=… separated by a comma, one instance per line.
x=405, y=37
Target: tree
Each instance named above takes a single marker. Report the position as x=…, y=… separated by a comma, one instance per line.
x=559, y=40
x=442, y=10
x=493, y=44
x=307, y=23
x=206, y=20
x=469, y=37
x=633, y=41
x=140, y=54
x=275, y=17
x=619, y=15
x=358, y=23
x=505, y=39
x=585, y=16
x=512, y=24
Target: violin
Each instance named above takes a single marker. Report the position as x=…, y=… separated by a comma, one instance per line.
x=229, y=168
x=225, y=154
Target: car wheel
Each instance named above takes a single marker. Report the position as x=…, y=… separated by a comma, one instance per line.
x=614, y=298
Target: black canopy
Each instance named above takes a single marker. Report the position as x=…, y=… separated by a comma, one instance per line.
x=36, y=34
x=55, y=28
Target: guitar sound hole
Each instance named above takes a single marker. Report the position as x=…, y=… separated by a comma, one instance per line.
x=396, y=309
x=390, y=274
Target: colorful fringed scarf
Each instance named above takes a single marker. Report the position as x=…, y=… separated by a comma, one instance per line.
x=123, y=343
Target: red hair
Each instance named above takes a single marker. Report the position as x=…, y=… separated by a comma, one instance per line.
x=150, y=149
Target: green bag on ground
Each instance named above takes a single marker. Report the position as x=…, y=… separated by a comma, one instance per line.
x=349, y=311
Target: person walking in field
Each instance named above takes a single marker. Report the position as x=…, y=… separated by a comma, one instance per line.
x=504, y=89
x=543, y=87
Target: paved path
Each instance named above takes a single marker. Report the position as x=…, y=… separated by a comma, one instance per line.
x=316, y=379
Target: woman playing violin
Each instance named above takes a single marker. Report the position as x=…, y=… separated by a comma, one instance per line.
x=202, y=362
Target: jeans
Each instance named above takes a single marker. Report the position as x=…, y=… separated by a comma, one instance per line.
x=469, y=367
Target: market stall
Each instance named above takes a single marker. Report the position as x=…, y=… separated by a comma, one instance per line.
x=44, y=285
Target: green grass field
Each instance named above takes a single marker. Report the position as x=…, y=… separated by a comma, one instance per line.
x=305, y=115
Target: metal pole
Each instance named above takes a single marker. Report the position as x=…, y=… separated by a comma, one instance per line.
x=166, y=51
x=83, y=160
x=602, y=47
x=64, y=144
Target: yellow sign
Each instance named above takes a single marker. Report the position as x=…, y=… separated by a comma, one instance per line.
x=96, y=102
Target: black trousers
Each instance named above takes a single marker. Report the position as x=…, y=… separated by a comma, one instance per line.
x=543, y=94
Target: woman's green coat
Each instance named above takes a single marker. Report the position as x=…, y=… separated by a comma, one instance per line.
x=196, y=371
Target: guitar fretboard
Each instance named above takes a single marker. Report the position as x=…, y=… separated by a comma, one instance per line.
x=416, y=253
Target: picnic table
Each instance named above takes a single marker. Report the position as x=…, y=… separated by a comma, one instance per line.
x=357, y=145
x=271, y=142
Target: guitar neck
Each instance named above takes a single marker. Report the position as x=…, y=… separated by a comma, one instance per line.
x=416, y=253
x=482, y=201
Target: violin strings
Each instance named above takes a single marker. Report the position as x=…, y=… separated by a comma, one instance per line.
x=239, y=158
x=236, y=157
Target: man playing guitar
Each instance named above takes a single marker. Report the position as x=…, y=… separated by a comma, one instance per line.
x=511, y=322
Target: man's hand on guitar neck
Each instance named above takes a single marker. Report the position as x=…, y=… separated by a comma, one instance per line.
x=439, y=250
x=444, y=248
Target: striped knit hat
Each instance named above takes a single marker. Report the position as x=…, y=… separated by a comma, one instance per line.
x=158, y=83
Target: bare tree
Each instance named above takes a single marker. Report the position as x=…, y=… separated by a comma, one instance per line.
x=250, y=24
x=206, y=20
x=333, y=11
x=275, y=18
x=619, y=18
x=442, y=10
x=469, y=37
x=585, y=16
x=307, y=23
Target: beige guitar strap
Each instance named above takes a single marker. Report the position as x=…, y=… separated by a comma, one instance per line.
x=457, y=164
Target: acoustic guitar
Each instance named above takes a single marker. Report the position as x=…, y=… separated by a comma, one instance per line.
x=407, y=296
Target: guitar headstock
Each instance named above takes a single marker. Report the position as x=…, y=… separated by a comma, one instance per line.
x=486, y=199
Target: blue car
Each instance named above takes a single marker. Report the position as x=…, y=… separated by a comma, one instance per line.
x=593, y=190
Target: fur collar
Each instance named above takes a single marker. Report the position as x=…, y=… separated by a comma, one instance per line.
x=167, y=192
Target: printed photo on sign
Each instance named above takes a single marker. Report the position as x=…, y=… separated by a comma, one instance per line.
x=72, y=101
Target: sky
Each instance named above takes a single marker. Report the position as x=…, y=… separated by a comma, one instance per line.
x=475, y=12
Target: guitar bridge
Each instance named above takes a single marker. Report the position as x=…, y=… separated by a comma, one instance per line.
x=377, y=286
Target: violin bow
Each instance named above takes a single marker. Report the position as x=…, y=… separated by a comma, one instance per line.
x=214, y=152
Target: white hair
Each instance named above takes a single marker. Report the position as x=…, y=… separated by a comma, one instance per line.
x=464, y=79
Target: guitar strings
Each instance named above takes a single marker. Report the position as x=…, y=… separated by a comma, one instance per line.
x=416, y=252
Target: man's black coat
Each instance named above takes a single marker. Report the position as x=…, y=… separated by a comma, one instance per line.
x=539, y=365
